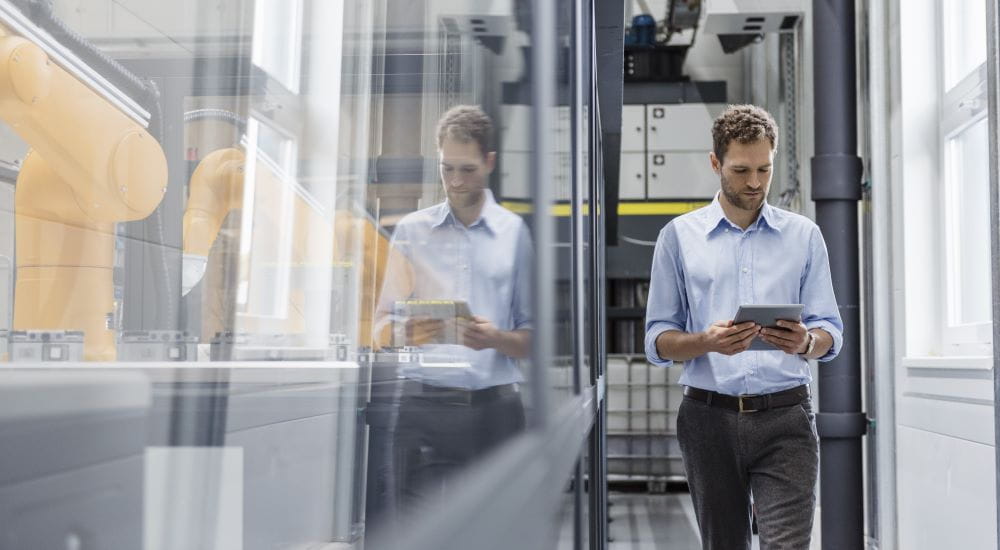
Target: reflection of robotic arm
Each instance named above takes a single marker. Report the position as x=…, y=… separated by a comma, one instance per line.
x=90, y=165
x=217, y=188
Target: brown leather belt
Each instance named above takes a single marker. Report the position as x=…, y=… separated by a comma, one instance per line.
x=750, y=403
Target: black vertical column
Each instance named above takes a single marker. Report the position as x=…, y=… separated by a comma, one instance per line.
x=609, y=16
x=836, y=188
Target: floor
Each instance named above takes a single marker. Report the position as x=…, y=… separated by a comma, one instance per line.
x=644, y=521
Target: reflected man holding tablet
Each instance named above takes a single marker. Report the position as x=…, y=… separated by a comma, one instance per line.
x=463, y=297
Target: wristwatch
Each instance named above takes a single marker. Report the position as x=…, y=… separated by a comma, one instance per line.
x=811, y=345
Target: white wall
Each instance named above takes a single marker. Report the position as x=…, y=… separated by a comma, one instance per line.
x=943, y=442
x=941, y=484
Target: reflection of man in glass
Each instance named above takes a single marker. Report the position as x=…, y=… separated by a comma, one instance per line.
x=463, y=297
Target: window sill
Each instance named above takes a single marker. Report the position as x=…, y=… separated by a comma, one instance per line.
x=958, y=362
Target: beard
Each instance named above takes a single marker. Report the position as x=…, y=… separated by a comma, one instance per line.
x=466, y=199
x=740, y=201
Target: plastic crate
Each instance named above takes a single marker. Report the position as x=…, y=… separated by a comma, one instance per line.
x=642, y=404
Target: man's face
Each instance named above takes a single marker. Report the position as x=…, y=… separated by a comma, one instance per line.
x=745, y=173
x=465, y=171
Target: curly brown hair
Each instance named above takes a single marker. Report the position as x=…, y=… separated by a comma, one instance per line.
x=743, y=124
x=465, y=124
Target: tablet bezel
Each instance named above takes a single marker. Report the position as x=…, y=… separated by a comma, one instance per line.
x=767, y=315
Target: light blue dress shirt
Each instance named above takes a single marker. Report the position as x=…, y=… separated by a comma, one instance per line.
x=487, y=265
x=705, y=267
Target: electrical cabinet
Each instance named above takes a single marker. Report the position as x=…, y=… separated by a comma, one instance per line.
x=680, y=175
x=515, y=153
x=681, y=127
x=665, y=151
x=515, y=175
x=633, y=128
x=632, y=175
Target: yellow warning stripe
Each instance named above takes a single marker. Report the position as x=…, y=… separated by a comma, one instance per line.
x=624, y=208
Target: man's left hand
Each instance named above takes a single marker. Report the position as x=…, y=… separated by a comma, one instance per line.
x=479, y=333
x=789, y=336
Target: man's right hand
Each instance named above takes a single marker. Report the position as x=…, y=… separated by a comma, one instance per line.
x=728, y=339
x=421, y=330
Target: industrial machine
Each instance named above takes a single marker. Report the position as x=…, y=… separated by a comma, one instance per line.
x=72, y=187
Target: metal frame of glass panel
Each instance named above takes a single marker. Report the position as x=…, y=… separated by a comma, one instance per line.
x=993, y=74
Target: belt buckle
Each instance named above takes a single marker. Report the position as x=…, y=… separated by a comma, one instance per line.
x=743, y=410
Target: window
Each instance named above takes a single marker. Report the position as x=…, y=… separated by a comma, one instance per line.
x=964, y=162
x=964, y=39
x=277, y=46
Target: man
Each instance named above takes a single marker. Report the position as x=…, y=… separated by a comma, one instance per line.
x=740, y=250
x=470, y=256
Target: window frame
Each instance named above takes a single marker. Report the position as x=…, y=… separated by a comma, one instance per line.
x=960, y=108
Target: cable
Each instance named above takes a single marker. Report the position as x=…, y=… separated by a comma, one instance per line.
x=788, y=91
x=216, y=114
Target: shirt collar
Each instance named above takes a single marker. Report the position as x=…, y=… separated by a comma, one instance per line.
x=769, y=218
x=715, y=217
x=487, y=217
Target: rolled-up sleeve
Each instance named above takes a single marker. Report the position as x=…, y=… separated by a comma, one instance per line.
x=666, y=307
x=821, y=309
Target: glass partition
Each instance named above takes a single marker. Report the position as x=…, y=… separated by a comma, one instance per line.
x=268, y=268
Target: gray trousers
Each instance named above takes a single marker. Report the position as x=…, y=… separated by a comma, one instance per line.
x=728, y=455
x=437, y=437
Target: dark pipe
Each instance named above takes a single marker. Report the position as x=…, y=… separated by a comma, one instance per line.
x=609, y=17
x=836, y=188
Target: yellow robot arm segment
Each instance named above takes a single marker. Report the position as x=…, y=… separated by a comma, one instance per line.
x=116, y=170
x=89, y=166
x=216, y=188
x=64, y=270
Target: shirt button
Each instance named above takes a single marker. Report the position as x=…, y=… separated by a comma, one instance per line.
x=746, y=270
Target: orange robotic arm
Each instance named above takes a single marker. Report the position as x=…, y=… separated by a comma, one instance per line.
x=216, y=189
x=90, y=166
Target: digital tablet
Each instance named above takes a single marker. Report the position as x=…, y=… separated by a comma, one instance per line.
x=767, y=316
x=448, y=311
